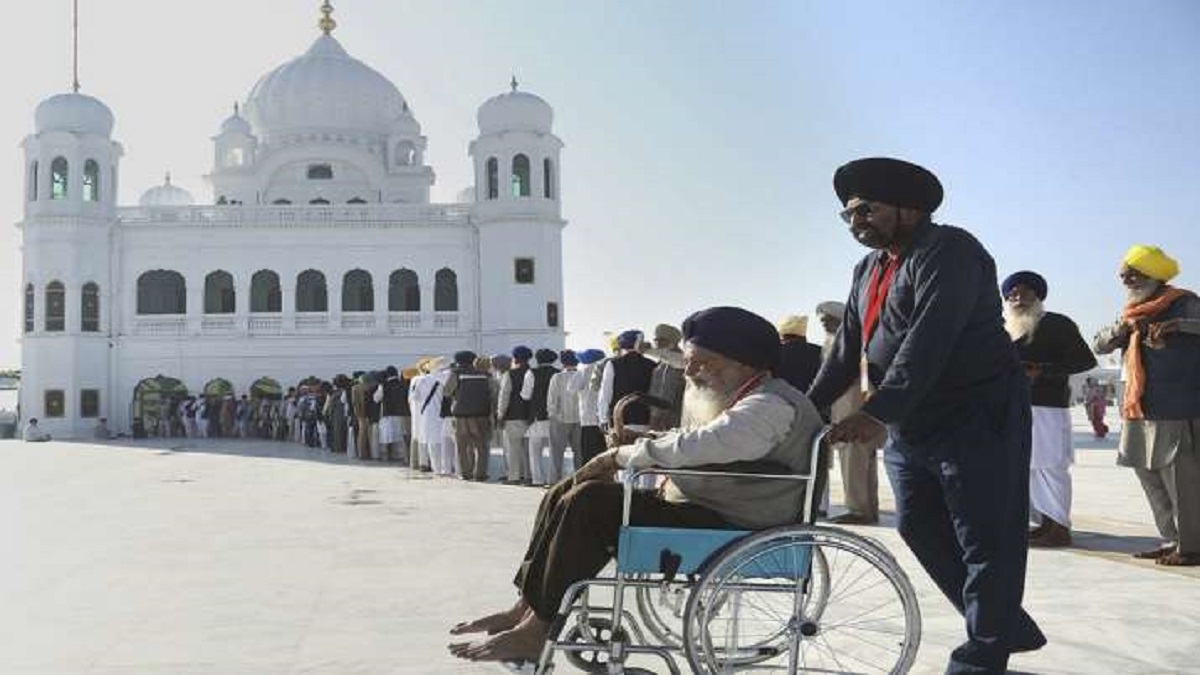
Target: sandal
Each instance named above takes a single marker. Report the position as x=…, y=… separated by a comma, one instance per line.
x=1155, y=554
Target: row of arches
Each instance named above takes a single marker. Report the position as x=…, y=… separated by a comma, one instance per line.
x=54, y=317
x=60, y=173
x=521, y=185
x=165, y=292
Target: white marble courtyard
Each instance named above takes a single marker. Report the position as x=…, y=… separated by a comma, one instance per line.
x=191, y=557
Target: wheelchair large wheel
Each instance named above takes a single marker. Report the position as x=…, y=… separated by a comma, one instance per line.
x=662, y=612
x=770, y=601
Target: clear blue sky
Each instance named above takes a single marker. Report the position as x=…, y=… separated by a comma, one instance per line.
x=701, y=135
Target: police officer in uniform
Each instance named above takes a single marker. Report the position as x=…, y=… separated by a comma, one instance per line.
x=922, y=335
x=469, y=391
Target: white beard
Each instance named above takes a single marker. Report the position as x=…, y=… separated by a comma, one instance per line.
x=1142, y=292
x=1022, y=322
x=701, y=405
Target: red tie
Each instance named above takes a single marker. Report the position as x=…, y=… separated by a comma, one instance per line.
x=881, y=281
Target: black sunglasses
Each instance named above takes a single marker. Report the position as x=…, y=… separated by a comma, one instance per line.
x=861, y=209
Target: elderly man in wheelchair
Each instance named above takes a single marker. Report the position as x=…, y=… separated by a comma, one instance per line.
x=726, y=568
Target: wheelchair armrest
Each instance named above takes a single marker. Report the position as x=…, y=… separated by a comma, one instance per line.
x=749, y=469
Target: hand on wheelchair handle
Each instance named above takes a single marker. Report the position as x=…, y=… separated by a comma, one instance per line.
x=857, y=428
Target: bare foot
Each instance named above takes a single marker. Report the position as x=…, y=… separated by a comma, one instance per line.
x=1155, y=554
x=523, y=643
x=494, y=623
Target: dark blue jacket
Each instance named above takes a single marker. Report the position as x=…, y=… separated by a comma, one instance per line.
x=939, y=357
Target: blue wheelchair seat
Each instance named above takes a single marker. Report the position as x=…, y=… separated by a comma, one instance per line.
x=667, y=550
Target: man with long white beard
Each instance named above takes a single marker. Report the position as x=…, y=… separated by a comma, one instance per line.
x=1159, y=335
x=739, y=413
x=1051, y=348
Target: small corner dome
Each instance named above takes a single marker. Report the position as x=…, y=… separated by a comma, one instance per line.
x=515, y=111
x=166, y=195
x=236, y=124
x=406, y=125
x=74, y=112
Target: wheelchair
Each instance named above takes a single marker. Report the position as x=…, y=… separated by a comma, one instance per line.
x=791, y=599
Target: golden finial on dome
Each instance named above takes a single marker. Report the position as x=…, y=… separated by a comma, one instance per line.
x=514, y=82
x=326, y=24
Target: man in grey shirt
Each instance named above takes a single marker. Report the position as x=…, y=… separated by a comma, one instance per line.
x=734, y=411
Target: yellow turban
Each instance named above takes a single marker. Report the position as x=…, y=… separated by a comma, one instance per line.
x=410, y=373
x=795, y=324
x=612, y=342
x=1151, y=261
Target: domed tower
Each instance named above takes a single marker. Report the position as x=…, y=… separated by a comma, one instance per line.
x=70, y=210
x=234, y=152
x=517, y=211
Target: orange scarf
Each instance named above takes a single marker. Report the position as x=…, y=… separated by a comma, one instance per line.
x=1135, y=374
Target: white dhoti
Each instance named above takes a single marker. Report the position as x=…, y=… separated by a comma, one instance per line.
x=1050, y=464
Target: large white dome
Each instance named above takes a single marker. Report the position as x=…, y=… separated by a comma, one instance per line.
x=74, y=112
x=325, y=90
x=515, y=111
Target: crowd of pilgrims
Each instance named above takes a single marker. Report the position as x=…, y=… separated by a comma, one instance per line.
x=444, y=414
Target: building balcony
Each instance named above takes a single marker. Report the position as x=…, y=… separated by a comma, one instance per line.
x=218, y=323
x=265, y=324
x=160, y=325
x=358, y=321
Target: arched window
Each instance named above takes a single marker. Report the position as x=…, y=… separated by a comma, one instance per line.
x=219, y=296
x=311, y=295
x=91, y=181
x=89, y=308
x=265, y=295
x=357, y=293
x=520, y=176
x=404, y=291
x=29, y=299
x=357, y=200
x=282, y=201
x=58, y=178
x=56, y=306
x=548, y=178
x=320, y=172
x=33, y=181
x=318, y=200
x=445, y=291
x=406, y=153
x=493, y=178
x=161, y=292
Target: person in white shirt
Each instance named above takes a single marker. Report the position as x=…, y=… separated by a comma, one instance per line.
x=33, y=433
x=591, y=437
x=562, y=405
x=514, y=411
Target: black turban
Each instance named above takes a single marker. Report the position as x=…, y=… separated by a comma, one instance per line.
x=546, y=356
x=891, y=181
x=464, y=358
x=734, y=333
x=1032, y=280
x=522, y=353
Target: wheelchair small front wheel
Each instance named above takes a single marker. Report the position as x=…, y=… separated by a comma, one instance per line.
x=798, y=599
x=599, y=631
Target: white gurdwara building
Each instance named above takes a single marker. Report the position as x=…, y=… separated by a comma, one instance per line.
x=319, y=254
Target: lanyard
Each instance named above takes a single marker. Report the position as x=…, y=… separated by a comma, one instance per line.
x=877, y=290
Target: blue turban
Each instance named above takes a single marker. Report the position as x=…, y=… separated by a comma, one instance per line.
x=736, y=334
x=1032, y=280
x=568, y=357
x=589, y=356
x=629, y=339
x=546, y=356
x=522, y=353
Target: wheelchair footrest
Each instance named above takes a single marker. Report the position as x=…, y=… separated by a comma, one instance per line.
x=669, y=550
